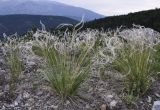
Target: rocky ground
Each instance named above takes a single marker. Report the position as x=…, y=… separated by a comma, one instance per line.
x=104, y=93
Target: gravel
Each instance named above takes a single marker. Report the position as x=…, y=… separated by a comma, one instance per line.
x=33, y=92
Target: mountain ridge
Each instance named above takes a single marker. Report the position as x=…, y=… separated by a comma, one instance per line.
x=11, y=24
x=34, y=7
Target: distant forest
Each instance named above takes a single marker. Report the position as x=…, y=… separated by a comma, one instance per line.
x=149, y=18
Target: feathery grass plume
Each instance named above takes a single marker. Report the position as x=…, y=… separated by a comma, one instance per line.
x=136, y=61
x=110, y=42
x=132, y=52
x=136, y=64
x=12, y=56
x=67, y=59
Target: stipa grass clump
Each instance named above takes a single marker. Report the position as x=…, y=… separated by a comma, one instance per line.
x=136, y=61
x=13, y=60
x=156, y=67
x=68, y=60
x=66, y=72
x=69, y=56
x=136, y=64
x=133, y=53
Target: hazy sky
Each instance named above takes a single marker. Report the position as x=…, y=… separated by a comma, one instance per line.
x=114, y=7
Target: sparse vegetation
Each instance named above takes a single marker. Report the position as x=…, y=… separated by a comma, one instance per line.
x=14, y=62
x=67, y=62
x=136, y=64
x=136, y=60
x=70, y=58
x=156, y=67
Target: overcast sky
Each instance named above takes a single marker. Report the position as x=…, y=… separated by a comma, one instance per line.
x=111, y=7
x=114, y=7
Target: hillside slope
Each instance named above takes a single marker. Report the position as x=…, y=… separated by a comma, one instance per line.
x=149, y=18
x=10, y=24
x=45, y=7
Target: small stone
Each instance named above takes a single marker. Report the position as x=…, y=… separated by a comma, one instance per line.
x=157, y=95
x=108, y=98
x=40, y=93
x=18, y=99
x=26, y=95
x=92, y=105
x=87, y=106
x=141, y=102
x=101, y=89
x=103, y=107
x=30, y=101
x=113, y=104
x=1, y=94
x=54, y=107
x=2, y=71
x=15, y=103
x=26, y=104
x=2, y=62
x=3, y=108
x=6, y=87
x=31, y=63
x=156, y=105
x=149, y=99
x=90, y=89
x=67, y=102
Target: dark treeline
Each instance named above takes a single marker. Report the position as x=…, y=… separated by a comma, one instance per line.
x=149, y=18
